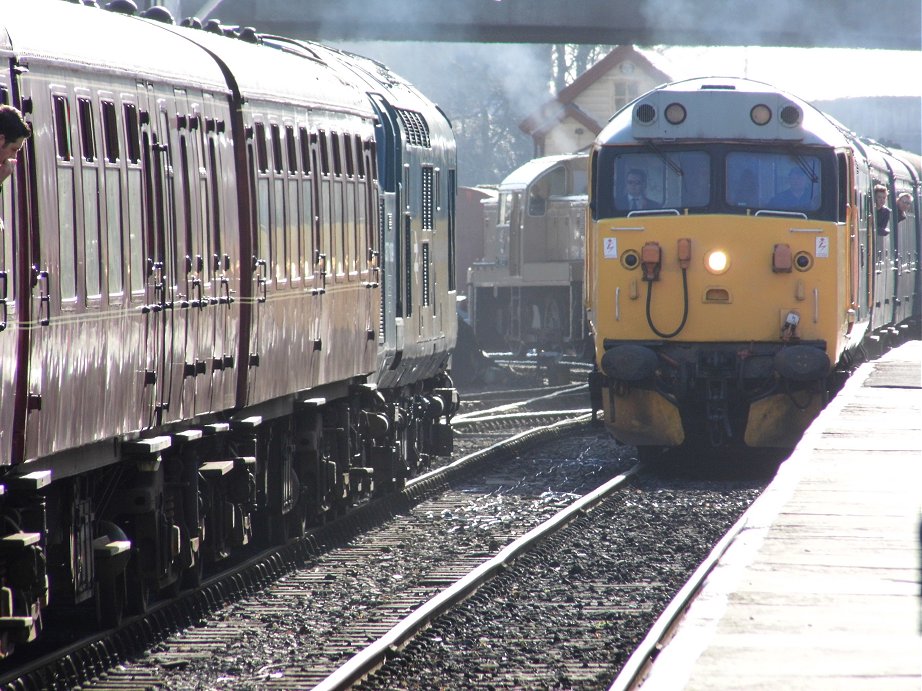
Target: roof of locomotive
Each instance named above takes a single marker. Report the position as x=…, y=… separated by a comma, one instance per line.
x=378, y=78
x=55, y=32
x=720, y=108
x=527, y=173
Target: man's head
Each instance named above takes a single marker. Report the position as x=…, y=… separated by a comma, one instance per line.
x=13, y=132
x=636, y=182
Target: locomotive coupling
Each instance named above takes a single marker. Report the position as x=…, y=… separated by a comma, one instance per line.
x=629, y=363
x=802, y=363
x=451, y=401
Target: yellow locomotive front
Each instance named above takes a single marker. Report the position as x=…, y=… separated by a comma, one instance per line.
x=718, y=265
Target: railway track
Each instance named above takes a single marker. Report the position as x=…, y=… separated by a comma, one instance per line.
x=97, y=656
x=292, y=618
x=460, y=586
x=569, y=602
x=294, y=632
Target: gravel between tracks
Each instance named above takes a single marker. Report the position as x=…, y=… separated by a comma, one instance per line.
x=569, y=615
x=295, y=631
x=314, y=619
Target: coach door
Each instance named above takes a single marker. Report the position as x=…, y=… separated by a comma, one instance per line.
x=196, y=272
x=165, y=333
x=220, y=246
x=9, y=332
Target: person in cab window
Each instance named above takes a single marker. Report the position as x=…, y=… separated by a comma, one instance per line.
x=636, y=191
x=13, y=134
x=903, y=206
x=881, y=210
x=798, y=195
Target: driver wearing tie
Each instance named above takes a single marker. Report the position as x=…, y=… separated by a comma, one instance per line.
x=637, y=199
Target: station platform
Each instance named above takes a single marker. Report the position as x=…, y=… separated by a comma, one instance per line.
x=820, y=590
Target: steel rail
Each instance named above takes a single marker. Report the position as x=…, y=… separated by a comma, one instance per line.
x=83, y=660
x=374, y=655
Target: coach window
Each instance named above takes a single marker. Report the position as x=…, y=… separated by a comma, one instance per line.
x=66, y=205
x=263, y=247
x=354, y=202
x=135, y=209
x=113, y=198
x=214, y=209
x=90, y=179
x=307, y=203
x=321, y=235
x=330, y=242
x=371, y=193
x=337, y=194
x=189, y=228
x=278, y=206
x=293, y=217
x=203, y=227
x=216, y=261
x=7, y=226
x=363, y=205
x=346, y=173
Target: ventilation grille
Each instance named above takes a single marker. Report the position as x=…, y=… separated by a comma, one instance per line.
x=428, y=199
x=416, y=127
x=427, y=292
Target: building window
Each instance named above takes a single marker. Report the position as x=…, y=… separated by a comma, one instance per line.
x=625, y=92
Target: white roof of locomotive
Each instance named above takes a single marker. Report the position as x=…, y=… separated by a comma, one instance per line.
x=719, y=108
x=525, y=174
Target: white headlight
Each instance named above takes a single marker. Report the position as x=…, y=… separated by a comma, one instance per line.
x=717, y=261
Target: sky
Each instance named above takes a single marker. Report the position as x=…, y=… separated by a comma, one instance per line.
x=813, y=74
x=810, y=73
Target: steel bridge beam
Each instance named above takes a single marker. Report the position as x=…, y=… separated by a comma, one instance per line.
x=892, y=24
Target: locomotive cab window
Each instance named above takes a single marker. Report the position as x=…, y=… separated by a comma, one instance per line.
x=774, y=181
x=657, y=180
x=720, y=180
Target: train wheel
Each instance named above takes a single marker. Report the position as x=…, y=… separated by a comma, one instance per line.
x=110, y=601
x=192, y=576
x=296, y=521
x=137, y=592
